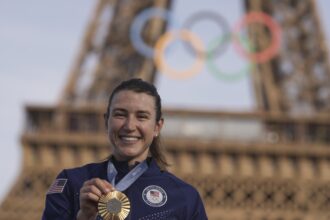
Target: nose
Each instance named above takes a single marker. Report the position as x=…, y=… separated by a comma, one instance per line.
x=130, y=124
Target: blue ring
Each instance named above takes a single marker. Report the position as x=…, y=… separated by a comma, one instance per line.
x=137, y=27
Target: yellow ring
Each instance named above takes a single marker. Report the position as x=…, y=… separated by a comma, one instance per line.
x=164, y=41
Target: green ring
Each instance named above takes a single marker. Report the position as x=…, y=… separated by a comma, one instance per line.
x=215, y=70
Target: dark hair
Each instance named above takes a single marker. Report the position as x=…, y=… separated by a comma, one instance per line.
x=140, y=86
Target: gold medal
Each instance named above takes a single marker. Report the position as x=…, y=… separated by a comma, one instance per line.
x=114, y=206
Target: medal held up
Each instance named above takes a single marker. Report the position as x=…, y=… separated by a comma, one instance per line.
x=114, y=206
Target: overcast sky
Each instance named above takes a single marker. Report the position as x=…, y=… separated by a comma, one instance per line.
x=39, y=41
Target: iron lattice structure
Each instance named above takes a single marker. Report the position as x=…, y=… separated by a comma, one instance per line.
x=268, y=165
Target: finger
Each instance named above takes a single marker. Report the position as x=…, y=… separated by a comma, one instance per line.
x=91, y=189
x=101, y=185
x=109, y=185
x=89, y=196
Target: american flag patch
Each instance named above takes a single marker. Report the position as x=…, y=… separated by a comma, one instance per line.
x=154, y=193
x=57, y=186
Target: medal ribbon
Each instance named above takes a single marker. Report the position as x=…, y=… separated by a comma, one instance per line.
x=129, y=178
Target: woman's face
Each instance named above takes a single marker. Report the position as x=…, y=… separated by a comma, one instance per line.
x=132, y=125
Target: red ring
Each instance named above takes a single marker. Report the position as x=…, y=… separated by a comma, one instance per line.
x=274, y=28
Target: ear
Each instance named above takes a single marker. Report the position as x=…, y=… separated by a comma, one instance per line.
x=158, y=127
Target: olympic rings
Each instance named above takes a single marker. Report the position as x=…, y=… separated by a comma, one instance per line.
x=217, y=46
x=137, y=27
x=231, y=76
x=274, y=28
x=218, y=20
x=163, y=42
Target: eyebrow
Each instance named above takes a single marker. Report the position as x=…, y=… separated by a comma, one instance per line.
x=119, y=109
x=139, y=111
x=144, y=112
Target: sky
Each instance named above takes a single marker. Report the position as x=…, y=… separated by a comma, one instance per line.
x=39, y=41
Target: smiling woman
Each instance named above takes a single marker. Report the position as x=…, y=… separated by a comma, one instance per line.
x=132, y=125
x=133, y=183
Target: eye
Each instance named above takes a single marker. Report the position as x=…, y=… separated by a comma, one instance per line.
x=142, y=116
x=118, y=114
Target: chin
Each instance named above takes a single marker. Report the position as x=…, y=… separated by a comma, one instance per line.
x=128, y=154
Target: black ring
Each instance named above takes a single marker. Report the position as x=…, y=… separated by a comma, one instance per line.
x=221, y=21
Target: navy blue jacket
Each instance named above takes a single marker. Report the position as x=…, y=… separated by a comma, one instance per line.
x=154, y=195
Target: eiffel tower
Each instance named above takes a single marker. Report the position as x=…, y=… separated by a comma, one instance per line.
x=274, y=166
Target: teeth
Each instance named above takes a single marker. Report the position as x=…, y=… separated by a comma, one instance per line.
x=129, y=138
